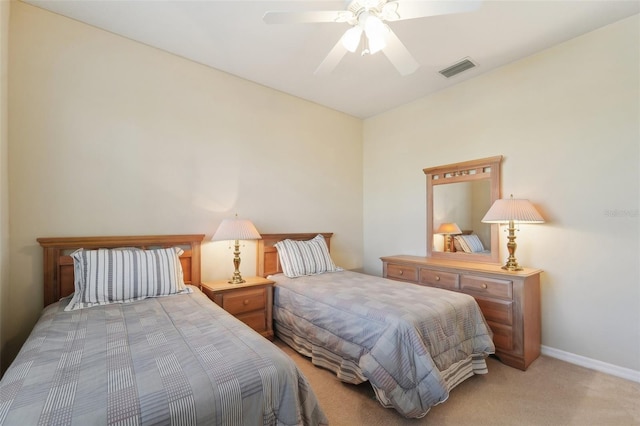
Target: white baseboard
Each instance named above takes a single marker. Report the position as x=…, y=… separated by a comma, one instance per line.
x=614, y=370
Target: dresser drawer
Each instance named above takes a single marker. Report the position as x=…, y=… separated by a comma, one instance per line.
x=490, y=287
x=243, y=301
x=402, y=272
x=500, y=311
x=502, y=336
x=435, y=278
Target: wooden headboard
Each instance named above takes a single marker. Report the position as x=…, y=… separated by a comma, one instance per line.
x=268, y=263
x=58, y=264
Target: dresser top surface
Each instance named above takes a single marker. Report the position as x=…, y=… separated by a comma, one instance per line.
x=460, y=265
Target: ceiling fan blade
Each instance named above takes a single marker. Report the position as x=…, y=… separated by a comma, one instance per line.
x=411, y=9
x=277, y=17
x=399, y=56
x=333, y=58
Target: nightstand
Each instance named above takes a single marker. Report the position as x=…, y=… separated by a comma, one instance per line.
x=251, y=302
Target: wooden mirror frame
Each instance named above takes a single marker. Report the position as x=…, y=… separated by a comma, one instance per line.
x=468, y=171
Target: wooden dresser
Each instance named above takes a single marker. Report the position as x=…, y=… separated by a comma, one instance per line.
x=510, y=301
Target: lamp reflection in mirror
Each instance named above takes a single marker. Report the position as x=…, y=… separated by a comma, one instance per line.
x=448, y=229
x=236, y=230
x=512, y=211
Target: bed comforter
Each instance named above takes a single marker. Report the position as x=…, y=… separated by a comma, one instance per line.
x=170, y=360
x=413, y=343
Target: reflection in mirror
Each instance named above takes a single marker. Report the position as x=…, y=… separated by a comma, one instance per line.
x=465, y=204
x=458, y=196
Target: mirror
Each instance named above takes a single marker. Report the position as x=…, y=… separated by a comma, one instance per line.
x=458, y=197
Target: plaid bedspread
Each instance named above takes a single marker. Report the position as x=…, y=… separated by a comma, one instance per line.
x=176, y=360
x=406, y=339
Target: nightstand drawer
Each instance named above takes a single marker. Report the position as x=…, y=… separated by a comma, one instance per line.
x=243, y=301
x=255, y=320
x=484, y=286
x=402, y=272
x=435, y=278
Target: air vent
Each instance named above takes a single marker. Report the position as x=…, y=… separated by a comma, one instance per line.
x=457, y=68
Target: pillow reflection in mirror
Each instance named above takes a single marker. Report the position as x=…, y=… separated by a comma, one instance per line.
x=469, y=243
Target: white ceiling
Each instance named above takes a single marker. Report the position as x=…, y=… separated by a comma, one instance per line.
x=231, y=36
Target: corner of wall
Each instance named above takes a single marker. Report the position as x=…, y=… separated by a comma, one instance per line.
x=4, y=173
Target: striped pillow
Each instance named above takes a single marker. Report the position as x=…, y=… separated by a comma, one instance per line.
x=107, y=276
x=470, y=243
x=300, y=258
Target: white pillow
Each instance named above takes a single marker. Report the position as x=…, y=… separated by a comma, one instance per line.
x=107, y=276
x=470, y=243
x=299, y=258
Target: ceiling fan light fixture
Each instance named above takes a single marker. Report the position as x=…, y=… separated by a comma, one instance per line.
x=351, y=38
x=376, y=32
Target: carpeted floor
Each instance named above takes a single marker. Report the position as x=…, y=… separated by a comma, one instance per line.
x=551, y=392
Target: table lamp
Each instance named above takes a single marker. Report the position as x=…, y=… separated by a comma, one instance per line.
x=448, y=229
x=512, y=211
x=236, y=230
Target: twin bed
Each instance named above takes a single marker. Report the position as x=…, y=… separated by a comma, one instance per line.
x=412, y=343
x=177, y=358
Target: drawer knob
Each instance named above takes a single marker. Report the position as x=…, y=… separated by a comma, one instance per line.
x=246, y=301
x=401, y=272
x=437, y=277
x=484, y=285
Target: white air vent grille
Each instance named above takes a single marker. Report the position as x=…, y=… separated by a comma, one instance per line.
x=457, y=68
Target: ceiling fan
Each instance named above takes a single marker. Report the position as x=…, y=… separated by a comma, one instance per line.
x=368, y=17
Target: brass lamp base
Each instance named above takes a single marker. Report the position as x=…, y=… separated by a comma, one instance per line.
x=447, y=243
x=512, y=263
x=236, y=278
x=512, y=267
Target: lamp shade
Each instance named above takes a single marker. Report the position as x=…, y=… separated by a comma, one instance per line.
x=518, y=211
x=449, y=229
x=236, y=229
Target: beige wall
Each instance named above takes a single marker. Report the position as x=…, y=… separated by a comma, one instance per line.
x=112, y=137
x=4, y=169
x=567, y=123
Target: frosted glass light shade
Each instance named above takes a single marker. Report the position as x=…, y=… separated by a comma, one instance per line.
x=236, y=229
x=518, y=211
x=351, y=38
x=376, y=32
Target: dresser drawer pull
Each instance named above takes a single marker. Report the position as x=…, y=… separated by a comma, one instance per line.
x=401, y=272
x=246, y=301
x=484, y=285
x=437, y=277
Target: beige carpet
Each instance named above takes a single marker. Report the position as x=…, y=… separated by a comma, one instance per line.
x=551, y=392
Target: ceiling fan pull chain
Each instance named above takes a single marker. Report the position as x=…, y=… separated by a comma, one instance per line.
x=365, y=49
